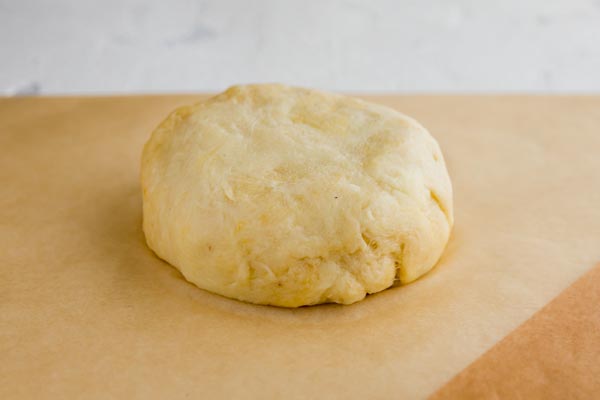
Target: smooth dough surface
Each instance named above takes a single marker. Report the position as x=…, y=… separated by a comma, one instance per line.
x=287, y=196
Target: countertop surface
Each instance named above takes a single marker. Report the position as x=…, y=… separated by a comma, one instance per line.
x=123, y=46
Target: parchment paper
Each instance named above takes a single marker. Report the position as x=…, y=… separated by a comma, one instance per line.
x=87, y=310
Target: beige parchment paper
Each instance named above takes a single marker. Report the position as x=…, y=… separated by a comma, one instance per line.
x=88, y=311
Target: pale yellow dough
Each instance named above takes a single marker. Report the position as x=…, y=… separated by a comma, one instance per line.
x=286, y=196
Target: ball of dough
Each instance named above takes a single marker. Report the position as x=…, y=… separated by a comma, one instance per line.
x=287, y=196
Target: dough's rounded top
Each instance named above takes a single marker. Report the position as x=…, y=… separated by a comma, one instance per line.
x=287, y=196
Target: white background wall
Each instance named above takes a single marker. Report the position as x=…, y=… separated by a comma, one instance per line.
x=63, y=46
